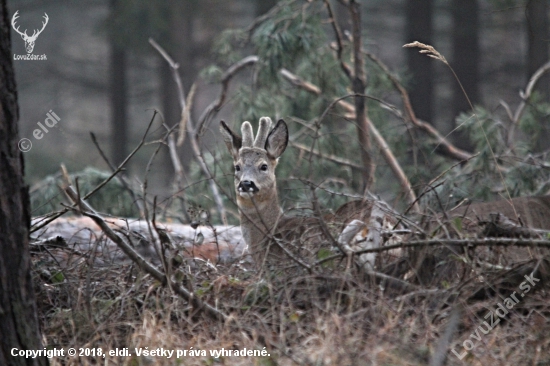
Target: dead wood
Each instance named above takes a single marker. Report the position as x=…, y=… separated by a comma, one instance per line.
x=145, y=265
x=78, y=233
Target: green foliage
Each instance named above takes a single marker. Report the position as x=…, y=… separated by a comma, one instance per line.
x=296, y=37
x=211, y=73
x=58, y=277
x=112, y=199
x=287, y=39
x=501, y=166
x=225, y=46
x=534, y=118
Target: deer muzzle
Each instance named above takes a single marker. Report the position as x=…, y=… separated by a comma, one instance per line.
x=247, y=186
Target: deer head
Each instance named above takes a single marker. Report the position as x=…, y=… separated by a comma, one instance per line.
x=255, y=160
x=29, y=40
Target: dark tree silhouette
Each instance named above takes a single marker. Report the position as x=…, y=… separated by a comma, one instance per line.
x=419, y=28
x=119, y=101
x=466, y=60
x=263, y=6
x=18, y=320
x=538, y=43
x=180, y=44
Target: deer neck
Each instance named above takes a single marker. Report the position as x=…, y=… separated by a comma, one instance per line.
x=259, y=217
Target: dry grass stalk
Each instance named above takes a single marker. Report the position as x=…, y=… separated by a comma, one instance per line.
x=428, y=50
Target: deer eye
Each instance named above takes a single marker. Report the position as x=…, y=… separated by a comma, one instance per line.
x=237, y=168
x=263, y=167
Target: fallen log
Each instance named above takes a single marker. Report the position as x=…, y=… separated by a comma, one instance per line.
x=217, y=244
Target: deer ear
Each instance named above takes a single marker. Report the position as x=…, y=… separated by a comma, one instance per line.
x=277, y=140
x=231, y=139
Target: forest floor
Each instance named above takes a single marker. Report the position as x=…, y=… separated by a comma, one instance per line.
x=482, y=306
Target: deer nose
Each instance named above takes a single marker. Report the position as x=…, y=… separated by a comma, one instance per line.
x=247, y=186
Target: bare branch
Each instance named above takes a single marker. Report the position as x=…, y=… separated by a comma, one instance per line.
x=121, y=178
x=300, y=83
x=470, y=242
x=330, y=157
x=380, y=141
x=544, y=69
x=193, y=137
x=214, y=107
x=339, y=40
x=186, y=115
x=107, y=180
x=122, y=243
x=447, y=147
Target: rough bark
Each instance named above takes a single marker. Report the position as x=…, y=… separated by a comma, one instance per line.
x=18, y=320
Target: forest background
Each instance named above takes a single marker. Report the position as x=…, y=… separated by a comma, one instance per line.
x=103, y=76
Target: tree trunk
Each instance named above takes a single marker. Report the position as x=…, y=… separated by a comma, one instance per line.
x=18, y=320
x=359, y=81
x=118, y=90
x=466, y=59
x=538, y=38
x=419, y=28
x=181, y=47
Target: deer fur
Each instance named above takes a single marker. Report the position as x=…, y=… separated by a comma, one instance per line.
x=255, y=160
x=276, y=239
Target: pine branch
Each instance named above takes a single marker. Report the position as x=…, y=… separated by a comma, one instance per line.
x=380, y=141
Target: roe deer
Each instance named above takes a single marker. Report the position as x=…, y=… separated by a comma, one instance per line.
x=262, y=218
x=255, y=161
